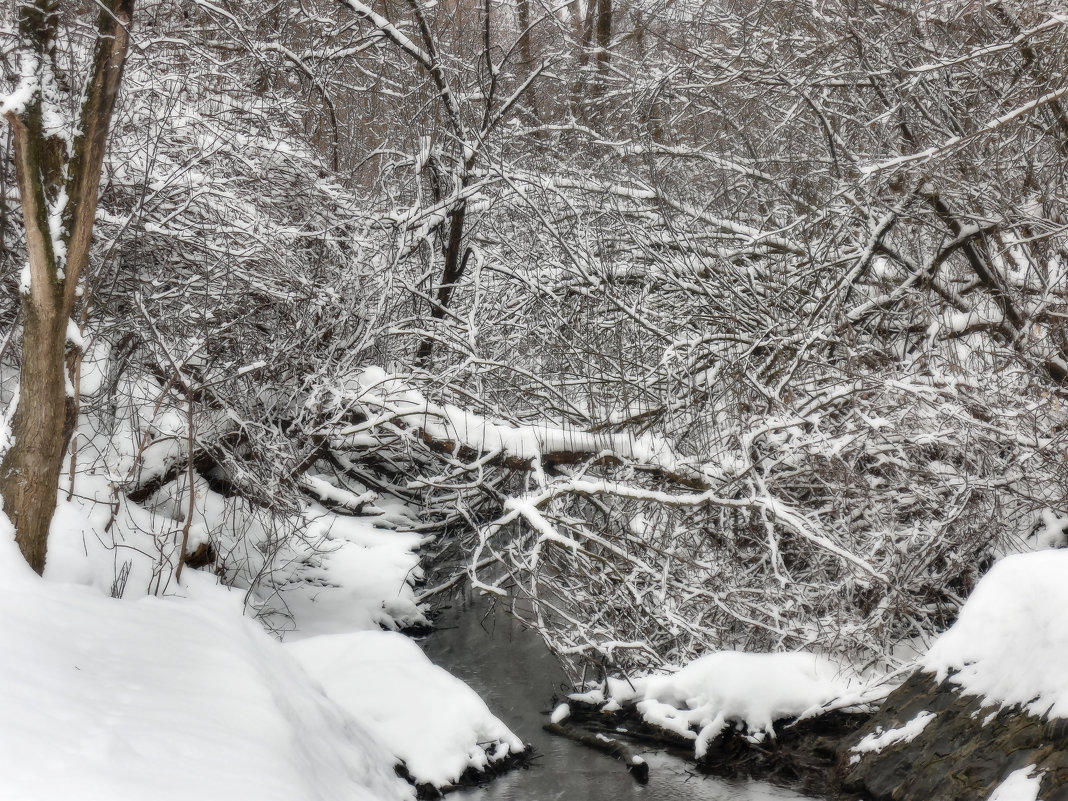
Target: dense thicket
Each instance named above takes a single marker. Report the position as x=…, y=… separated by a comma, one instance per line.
x=693, y=325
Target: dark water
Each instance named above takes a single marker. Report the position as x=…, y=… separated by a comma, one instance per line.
x=515, y=674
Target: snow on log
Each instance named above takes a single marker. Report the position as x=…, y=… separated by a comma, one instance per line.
x=468, y=437
x=752, y=690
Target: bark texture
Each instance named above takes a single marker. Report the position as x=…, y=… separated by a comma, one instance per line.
x=56, y=182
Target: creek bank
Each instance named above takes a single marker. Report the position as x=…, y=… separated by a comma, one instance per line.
x=951, y=747
x=803, y=756
x=983, y=717
x=965, y=752
x=471, y=777
x=986, y=714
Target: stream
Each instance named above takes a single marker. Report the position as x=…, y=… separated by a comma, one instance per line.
x=509, y=666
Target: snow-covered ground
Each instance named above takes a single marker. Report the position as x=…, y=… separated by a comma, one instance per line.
x=174, y=691
x=184, y=696
x=166, y=698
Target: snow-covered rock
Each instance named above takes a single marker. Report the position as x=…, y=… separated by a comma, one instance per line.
x=1010, y=642
x=986, y=715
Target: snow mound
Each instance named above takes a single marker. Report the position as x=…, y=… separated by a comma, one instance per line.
x=426, y=716
x=1009, y=644
x=749, y=690
x=112, y=700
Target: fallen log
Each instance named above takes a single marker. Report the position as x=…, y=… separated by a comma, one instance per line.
x=803, y=756
x=637, y=766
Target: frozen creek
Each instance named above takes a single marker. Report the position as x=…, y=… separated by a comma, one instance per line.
x=511, y=669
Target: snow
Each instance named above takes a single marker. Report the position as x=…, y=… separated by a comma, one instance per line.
x=1009, y=644
x=561, y=713
x=1019, y=785
x=363, y=579
x=328, y=492
x=961, y=322
x=172, y=691
x=1051, y=531
x=880, y=739
x=387, y=396
x=167, y=699
x=425, y=716
x=752, y=690
x=16, y=101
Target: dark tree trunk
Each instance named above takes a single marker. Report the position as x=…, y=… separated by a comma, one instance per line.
x=604, y=34
x=455, y=263
x=526, y=51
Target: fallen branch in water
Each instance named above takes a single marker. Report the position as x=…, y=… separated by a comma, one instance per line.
x=637, y=766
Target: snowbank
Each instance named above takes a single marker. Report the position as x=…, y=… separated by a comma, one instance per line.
x=165, y=699
x=226, y=702
x=363, y=580
x=428, y=718
x=1010, y=643
x=729, y=687
x=157, y=696
x=991, y=687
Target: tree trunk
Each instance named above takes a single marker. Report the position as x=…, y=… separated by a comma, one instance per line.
x=582, y=24
x=526, y=51
x=604, y=34
x=55, y=180
x=450, y=275
x=29, y=474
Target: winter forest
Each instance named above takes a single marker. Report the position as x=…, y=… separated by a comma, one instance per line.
x=692, y=333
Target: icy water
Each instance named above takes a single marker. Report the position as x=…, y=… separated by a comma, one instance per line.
x=512, y=670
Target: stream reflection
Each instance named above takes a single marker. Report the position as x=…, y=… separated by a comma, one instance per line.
x=515, y=674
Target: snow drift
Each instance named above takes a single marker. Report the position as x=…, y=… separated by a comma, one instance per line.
x=167, y=699
x=423, y=714
x=1010, y=643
